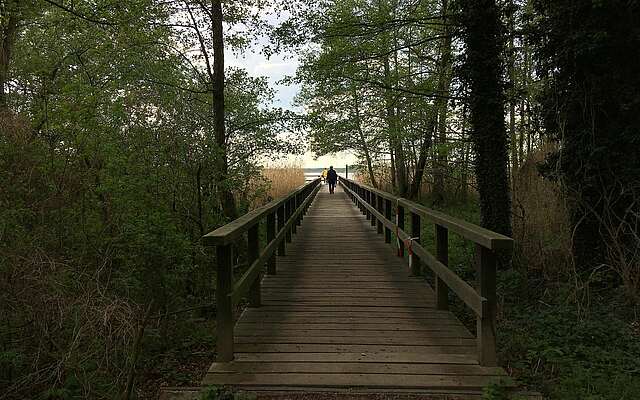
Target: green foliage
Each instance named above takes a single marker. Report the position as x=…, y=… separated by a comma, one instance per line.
x=223, y=393
x=495, y=391
x=108, y=182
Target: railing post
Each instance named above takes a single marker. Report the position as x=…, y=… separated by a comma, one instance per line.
x=287, y=216
x=415, y=234
x=387, y=214
x=224, y=306
x=400, y=216
x=300, y=198
x=442, y=253
x=281, y=220
x=271, y=234
x=367, y=199
x=253, y=255
x=372, y=202
x=294, y=208
x=486, y=324
x=379, y=208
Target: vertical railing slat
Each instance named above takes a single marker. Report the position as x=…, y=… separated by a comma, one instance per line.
x=224, y=306
x=486, y=324
x=415, y=235
x=271, y=235
x=253, y=236
x=442, y=254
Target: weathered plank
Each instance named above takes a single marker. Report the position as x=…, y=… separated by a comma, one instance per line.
x=356, y=380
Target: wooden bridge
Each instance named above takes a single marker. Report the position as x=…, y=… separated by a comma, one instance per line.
x=339, y=309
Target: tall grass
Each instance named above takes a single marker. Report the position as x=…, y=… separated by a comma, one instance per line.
x=541, y=226
x=278, y=181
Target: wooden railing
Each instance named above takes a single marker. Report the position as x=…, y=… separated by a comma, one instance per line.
x=387, y=213
x=282, y=216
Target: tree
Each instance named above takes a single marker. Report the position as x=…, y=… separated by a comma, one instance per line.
x=483, y=71
x=592, y=108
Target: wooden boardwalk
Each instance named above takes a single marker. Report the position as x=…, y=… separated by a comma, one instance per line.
x=343, y=312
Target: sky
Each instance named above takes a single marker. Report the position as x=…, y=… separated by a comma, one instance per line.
x=276, y=68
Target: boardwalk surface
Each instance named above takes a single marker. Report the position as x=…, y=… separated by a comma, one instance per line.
x=343, y=313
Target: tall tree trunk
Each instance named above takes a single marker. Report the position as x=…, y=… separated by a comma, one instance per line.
x=8, y=30
x=483, y=71
x=444, y=83
x=227, y=200
x=363, y=140
x=512, y=98
x=392, y=167
x=395, y=138
x=421, y=163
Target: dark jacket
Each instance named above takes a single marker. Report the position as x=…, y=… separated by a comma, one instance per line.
x=332, y=176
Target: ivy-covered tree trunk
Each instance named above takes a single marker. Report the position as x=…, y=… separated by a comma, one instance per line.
x=226, y=195
x=483, y=34
x=8, y=30
x=590, y=50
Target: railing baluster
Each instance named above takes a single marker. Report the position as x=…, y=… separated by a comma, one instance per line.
x=442, y=253
x=379, y=208
x=254, y=254
x=294, y=208
x=400, y=216
x=281, y=222
x=300, y=198
x=367, y=199
x=271, y=235
x=486, y=324
x=415, y=234
x=372, y=202
x=387, y=214
x=287, y=216
x=224, y=306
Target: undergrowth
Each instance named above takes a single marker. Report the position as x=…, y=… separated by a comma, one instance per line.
x=567, y=340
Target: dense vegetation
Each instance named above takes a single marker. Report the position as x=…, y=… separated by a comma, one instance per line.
x=123, y=139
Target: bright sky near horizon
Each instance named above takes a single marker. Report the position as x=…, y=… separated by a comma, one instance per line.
x=275, y=69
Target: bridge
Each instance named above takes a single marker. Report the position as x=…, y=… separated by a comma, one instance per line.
x=335, y=299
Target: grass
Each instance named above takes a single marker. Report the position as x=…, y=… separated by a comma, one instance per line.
x=278, y=182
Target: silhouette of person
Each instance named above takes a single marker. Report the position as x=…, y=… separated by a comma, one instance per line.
x=332, y=178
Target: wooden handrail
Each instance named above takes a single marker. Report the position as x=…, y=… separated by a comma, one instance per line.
x=485, y=237
x=380, y=207
x=282, y=216
x=230, y=232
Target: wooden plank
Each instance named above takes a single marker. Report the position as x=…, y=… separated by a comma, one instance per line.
x=396, y=325
x=355, y=340
x=357, y=380
x=355, y=301
x=350, y=348
x=370, y=356
x=416, y=335
x=355, y=367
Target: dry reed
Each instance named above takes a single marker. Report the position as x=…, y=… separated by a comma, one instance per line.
x=282, y=180
x=541, y=226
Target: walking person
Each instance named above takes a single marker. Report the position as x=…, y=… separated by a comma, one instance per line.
x=324, y=175
x=332, y=178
